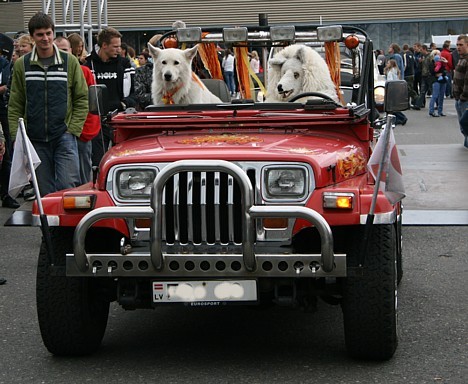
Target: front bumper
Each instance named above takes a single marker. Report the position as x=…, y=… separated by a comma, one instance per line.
x=250, y=260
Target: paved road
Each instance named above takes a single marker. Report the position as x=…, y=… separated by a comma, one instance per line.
x=235, y=345
x=435, y=168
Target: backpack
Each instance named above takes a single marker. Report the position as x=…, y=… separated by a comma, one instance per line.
x=427, y=68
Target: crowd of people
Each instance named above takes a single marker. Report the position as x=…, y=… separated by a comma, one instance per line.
x=71, y=141
x=47, y=76
x=440, y=74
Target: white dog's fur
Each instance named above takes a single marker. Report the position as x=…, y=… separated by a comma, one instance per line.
x=297, y=69
x=173, y=79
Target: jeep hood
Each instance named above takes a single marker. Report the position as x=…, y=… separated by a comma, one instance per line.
x=326, y=153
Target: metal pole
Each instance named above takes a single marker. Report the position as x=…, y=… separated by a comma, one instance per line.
x=42, y=216
x=263, y=21
x=370, y=216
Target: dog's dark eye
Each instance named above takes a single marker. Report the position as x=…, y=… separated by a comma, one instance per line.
x=163, y=62
x=296, y=75
x=176, y=63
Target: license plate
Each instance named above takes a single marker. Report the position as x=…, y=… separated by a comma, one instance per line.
x=204, y=292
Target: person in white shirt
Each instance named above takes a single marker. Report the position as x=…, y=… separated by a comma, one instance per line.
x=228, y=68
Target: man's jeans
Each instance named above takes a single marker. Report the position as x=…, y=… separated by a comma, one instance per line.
x=438, y=93
x=229, y=77
x=59, y=168
x=448, y=90
x=426, y=84
x=411, y=92
x=85, y=150
x=461, y=107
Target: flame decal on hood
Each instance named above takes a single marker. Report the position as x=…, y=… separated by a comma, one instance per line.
x=221, y=139
x=351, y=163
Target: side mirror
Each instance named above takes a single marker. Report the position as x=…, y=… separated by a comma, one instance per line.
x=98, y=100
x=396, y=96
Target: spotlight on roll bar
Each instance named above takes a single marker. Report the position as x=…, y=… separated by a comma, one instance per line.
x=283, y=33
x=235, y=35
x=189, y=35
x=330, y=33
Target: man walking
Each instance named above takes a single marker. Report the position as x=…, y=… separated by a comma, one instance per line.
x=410, y=66
x=117, y=74
x=426, y=77
x=460, y=82
x=5, y=163
x=49, y=91
x=447, y=55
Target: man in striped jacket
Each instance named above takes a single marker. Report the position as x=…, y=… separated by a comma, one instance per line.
x=49, y=91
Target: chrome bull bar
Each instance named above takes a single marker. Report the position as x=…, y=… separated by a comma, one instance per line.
x=249, y=213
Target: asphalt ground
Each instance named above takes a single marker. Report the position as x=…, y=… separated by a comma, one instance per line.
x=245, y=345
x=435, y=168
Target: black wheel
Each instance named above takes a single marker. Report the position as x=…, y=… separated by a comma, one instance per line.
x=72, y=314
x=307, y=94
x=399, y=257
x=370, y=301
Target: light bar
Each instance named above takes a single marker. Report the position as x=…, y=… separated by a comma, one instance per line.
x=283, y=33
x=189, y=35
x=330, y=33
x=235, y=35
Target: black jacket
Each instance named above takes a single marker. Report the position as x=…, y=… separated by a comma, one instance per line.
x=117, y=75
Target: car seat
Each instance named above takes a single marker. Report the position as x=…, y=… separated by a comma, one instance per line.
x=218, y=88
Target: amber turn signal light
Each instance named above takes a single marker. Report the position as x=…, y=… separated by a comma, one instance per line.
x=275, y=223
x=338, y=200
x=78, y=201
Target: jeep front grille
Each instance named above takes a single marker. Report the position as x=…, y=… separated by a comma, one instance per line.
x=203, y=208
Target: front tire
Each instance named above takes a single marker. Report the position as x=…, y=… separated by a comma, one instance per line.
x=72, y=313
x=370, y=301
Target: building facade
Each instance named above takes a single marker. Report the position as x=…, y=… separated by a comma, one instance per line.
x=386, y=21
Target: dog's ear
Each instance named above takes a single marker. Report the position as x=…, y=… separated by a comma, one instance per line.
x=300, y=55
x=277, y=61
x=190, y=53
x=154, y=51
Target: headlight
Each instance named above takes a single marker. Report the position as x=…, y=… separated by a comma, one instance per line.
x=135, y=183
x=379, y=95
x=285, y=183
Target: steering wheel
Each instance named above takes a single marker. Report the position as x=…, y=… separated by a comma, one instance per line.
x=306, y=94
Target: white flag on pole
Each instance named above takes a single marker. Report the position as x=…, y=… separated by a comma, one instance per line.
x=391, y=181
x=20, y=169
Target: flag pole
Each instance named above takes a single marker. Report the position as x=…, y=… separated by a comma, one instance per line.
x=386, y=138
x=371, y=214
x=42, y=216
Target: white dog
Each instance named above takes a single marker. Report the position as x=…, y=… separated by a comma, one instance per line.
x=173, y=79
x=297, y=69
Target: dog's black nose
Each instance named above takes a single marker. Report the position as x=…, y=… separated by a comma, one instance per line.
x=280, y=88
x=167, y=76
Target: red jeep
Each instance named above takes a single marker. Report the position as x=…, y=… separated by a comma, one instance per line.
x=242, y=202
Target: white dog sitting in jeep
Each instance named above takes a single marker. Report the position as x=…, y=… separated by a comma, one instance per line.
x=298, y=69
x=173, y=79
